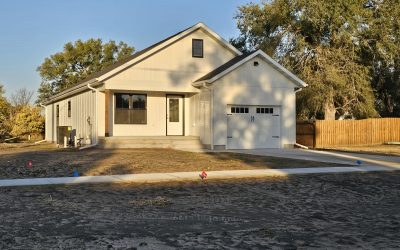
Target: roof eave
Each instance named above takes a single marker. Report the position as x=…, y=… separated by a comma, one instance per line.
x=278, y=67
x=71, y=91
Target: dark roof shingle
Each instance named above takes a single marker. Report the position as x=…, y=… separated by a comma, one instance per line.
x=115, y=65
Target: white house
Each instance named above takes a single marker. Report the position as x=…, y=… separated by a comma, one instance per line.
x=193, y=84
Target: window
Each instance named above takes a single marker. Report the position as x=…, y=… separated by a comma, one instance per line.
x=130, y=109
x=197, y=48
x=69, y=108
x=265, y=110
x=173, y=110
x=122, y=101
x=239, y=110
x=57, y=110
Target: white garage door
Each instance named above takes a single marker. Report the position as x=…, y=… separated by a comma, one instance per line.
x=253, y=127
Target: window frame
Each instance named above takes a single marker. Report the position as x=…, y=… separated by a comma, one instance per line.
x=265, y=110
x=240, y=110
x=69, y=107
x=194, y=40
x=58, y=111
x=130, y=108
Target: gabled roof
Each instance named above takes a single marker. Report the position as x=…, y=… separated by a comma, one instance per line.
x=238, y=61
x=224, y=67
x=113, y=69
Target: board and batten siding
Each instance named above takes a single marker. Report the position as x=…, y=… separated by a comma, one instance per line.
x=49, y=121
x=200, y=115
x=254, y=85
x=156, y=115
x=83, y=116
x=173, y=68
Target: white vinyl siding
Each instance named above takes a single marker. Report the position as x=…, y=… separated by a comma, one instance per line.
x=83, y=112
x=251, y=86
x=49, y=120
x=156, y=118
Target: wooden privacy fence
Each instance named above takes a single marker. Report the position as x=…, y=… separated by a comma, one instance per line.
x=305, y=133
x=349, y=132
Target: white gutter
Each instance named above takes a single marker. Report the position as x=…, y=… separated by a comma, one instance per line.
x=212, y=118
x=97, y=117
x=70, y=91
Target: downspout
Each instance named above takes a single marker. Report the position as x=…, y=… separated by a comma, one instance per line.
x=97, y=118
x=298, y=144
x=41, y=105
x=298, y=90
x=211, y=115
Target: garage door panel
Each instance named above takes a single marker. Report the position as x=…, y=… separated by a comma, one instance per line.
x=238, y=130
x=260, y=128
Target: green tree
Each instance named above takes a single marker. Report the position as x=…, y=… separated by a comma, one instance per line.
x=4, y=114
x=381, y=52
x=28, y=121
x=76, y=62
x=319, y=41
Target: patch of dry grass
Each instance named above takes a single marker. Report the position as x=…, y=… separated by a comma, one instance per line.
x=48, y=161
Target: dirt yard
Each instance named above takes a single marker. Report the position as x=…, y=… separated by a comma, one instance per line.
x=344, y=211
x=48, y=161
x=374, y=149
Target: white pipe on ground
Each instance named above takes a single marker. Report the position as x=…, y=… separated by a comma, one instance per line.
x=393, y=143
x=88, y=146
x=39, y=141
x=9, y=139
x=301, y=146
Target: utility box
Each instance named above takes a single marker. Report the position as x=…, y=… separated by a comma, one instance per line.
x=63, y=131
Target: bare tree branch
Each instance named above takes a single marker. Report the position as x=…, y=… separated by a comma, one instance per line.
x=21, y=97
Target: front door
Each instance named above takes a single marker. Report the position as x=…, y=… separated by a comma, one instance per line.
x=174, y=115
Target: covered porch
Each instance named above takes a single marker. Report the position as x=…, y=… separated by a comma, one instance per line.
x=148, y=119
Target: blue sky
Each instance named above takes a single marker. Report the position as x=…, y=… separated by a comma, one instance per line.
x=33, y=30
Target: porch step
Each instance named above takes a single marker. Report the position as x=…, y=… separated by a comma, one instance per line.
x=175, y=142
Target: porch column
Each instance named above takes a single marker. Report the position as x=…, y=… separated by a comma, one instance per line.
x=107, y=93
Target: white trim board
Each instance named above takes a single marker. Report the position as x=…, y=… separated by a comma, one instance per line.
x=267, y=58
